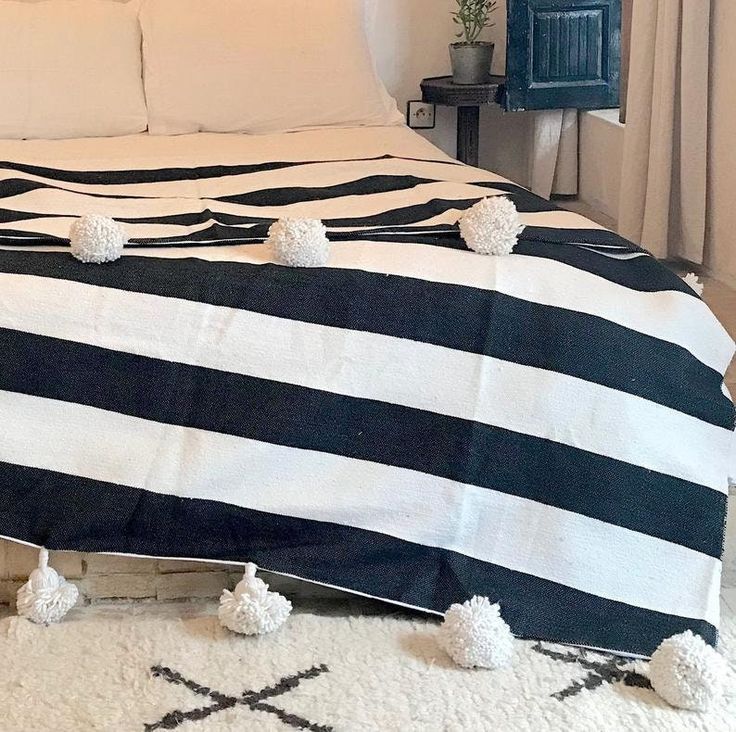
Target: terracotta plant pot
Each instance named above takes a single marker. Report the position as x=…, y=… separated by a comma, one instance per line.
x=471, y=62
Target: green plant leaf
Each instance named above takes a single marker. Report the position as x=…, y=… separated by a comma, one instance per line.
x=474, y=17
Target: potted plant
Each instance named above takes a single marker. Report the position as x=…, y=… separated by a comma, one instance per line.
x=471, y=58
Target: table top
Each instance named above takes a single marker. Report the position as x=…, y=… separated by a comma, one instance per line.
x=442, y=90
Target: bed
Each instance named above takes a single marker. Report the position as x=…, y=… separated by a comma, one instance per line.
x=413, y=422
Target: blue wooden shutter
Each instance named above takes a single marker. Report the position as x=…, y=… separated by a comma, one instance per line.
x=563, y=54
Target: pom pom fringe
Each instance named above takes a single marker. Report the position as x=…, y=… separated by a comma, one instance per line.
x=687, y=673
x=492, y=226
x=475, y=635
x=692, y=280
x=251, y=609
x=47, y=597
x=299, y=242
x=97, y=239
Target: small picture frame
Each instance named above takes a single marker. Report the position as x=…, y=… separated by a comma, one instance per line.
x=420, y=115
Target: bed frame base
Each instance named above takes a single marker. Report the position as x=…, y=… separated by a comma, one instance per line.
x=103, y=578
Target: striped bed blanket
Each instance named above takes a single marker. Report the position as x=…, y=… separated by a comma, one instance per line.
x=413, y=422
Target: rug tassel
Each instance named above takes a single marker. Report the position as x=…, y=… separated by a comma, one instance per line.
x=47, y=597
x=250, y=608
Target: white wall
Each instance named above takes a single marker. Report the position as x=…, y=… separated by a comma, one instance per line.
x=600, y=156
x=409, y=40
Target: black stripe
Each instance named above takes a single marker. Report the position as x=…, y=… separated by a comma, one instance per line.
x=19, y=238
x=524, y=199
x=441, y=235
x=413, y=214
x=402, y=216
x=299, y=194
x=206, y=215
x=644, y=274
x=193, y=218
x=493, y=324
x=19, y=186
x=295, y=416
x=7, y=215
x=144, y=175
x=66, y=512
x=595, y=237
x=167, y=175
x=217, y=234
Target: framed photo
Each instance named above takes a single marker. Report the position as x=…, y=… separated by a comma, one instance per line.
x=420, y=115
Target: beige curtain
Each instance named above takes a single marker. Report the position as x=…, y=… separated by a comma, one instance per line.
x=720, y=252
x=663, y=183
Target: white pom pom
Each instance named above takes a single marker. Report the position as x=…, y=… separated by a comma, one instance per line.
x=47, y=597
x=687, y=673
x=251, y=609
x=97, y=239
x=299, y=242
x=695, y=284
x=492, y=226
x=475, y=635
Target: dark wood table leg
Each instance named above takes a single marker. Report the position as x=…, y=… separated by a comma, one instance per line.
x=468, y=123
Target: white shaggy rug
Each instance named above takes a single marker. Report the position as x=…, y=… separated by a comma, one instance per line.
x=112, y=672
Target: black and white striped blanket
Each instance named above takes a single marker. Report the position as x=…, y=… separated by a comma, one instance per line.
x=413, y=422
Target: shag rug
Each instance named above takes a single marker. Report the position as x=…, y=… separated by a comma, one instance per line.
x=116, y=672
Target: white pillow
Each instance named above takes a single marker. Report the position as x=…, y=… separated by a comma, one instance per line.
x=259, y=66
x=70, y=68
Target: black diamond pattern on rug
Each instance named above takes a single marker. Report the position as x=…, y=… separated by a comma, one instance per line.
x=611, y=669
x=255, y=700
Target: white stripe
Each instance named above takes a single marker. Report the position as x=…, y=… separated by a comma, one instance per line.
x=600, y=249
x=522, y=535
x=519, y=398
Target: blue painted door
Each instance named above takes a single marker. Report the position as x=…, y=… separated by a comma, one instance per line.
x=563, y=54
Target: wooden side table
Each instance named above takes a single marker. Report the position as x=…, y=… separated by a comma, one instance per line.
x=468, y=100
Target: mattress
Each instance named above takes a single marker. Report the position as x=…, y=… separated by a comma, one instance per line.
x=412, y=421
